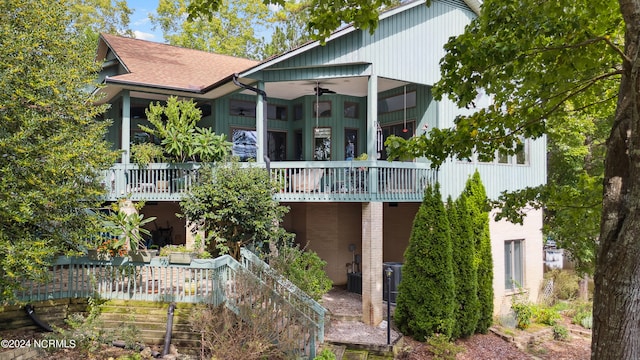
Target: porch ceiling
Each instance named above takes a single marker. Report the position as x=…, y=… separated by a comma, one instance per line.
x=353, y=86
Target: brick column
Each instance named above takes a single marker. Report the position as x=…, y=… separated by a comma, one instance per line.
x=372, y=263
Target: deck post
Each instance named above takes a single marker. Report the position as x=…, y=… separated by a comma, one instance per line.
x=372, y=263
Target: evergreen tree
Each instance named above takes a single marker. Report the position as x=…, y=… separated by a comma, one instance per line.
x=478, y=208
x=464, y=268
x=426, y=293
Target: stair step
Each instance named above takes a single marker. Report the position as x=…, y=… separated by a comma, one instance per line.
x=355, y=355
x=337, y=350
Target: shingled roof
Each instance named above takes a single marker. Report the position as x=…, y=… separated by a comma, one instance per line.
x=165, y=66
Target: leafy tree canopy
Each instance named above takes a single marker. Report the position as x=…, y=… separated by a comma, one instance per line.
x=325, y=16
x=539, y=62
x=52, y=149
x=549, y=68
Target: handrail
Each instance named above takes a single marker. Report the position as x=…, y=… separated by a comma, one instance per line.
x=359, y=181
x=214, y=281
x=311, y=308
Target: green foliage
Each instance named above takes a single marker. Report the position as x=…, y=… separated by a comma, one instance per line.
x=546, y=315
x=234, y=28
x=465, y=273
x=325, y=354
x=523, y=311
x=326, y=17
x=87, y=331
x=442, y=348
x=96, y=16
x=582, y=314
x=234, y=207
x=478, y=208
x=52, y=148
x=560, y=332
x=565, y=284
x=304, y=268
x=146, y=153
x=125, y=223
x=182, y=140
x=550, y=69
x=426, y=299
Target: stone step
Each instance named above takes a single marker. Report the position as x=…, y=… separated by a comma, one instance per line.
x=337, y=350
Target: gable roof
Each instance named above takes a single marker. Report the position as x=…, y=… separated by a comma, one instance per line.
x=165, y=66
x=474, y=6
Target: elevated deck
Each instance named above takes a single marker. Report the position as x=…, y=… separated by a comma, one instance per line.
x=299, y=181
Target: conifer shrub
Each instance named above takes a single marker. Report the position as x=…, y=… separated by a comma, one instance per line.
x=464, y=269
x=426, y=293
x=478, y=207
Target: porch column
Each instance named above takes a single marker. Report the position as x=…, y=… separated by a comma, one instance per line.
x=126, y=127
x=372, y=131
x=372, y=117
x=261, y=125
x=372, y=263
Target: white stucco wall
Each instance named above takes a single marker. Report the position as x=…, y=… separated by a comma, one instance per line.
x=531, y=233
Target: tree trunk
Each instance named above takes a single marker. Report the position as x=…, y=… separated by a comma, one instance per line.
x=616, y=306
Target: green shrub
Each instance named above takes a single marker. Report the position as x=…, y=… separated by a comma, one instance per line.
x=546, y=316
x=467, y=309
x=326, y=354
x=582, y=314
x=587, y=322
x=478, y=207
x=442, y=348
x=565, y=284
x=304, y=268
x=560, y=332
x=426, y=299
x=524, y=313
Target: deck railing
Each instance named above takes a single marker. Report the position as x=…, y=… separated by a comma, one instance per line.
x=358, y=181
x=212, y=281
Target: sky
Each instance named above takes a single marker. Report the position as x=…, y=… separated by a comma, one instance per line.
x=140, y=23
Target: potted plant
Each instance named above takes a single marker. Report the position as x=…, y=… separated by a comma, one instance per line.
x=177, y=254
x=126, y=227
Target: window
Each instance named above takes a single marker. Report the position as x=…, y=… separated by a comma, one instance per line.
x=350, y=143
x=351, y=110
x=322, y=109
x=245, y=144
x=297, y=112
x=322, y=144
x=397, y=102
x=277, y=112
x=521, y=156
x=513, y=269
x=398, y=130
x=298, y=145
x=242, y=108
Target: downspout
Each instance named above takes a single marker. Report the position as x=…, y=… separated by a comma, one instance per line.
x=167, y=336
x=263, y=94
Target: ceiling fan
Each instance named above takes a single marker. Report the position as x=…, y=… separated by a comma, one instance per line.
x=321, y=91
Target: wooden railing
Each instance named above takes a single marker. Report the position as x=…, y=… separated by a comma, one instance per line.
x=213, y=281
x=359, y=181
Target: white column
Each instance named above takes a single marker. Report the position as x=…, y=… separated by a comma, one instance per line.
x=372, y=241
x=126, y=126
x=261, y=112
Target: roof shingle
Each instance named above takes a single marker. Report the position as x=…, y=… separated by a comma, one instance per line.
x=166, y=66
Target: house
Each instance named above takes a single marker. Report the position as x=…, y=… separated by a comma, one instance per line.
x=324, y=106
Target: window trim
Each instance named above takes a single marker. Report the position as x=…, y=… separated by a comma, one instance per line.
x=512, y=283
